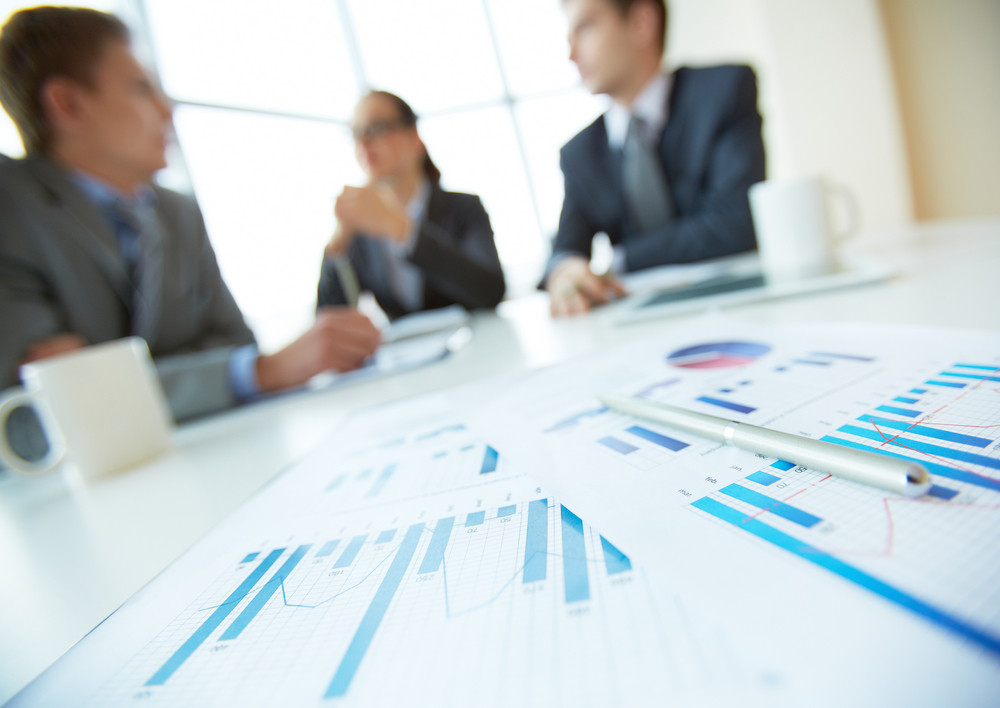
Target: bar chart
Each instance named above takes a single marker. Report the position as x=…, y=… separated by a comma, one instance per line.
x=945, y=428
x=324, y=620
x=371, y=464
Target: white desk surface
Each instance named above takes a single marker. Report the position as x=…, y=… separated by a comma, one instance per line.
x=71, y=553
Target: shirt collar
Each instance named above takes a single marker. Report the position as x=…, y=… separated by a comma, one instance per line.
x=417, y=205
x=102, y=194
x=650, y=105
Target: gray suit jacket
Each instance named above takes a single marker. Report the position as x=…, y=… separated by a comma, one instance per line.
x=711, y=151
x=454, y=250
x=61, y=270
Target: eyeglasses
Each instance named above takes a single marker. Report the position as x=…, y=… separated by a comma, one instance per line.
x=376, y=129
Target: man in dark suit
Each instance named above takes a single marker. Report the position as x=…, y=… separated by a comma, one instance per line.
x=665, y=171
x=91, y=251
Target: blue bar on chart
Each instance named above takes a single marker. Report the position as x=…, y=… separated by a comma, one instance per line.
x=728, y=405
x=895, y=410
x=764, y=479
x=351, y=552
x=476, y=518
x=381, y=480
x=617, y=445
x=575, y=419
x=932, y=467
x=435, y=549
x=927, y=431
x=983, y=367
x=506, y=510
x=614, y=560
x=919, y=446
x=439, y=455
x=327, y=548
x=436, y=433
x=466, y=448
x=918, y=391
x=337, y=481
x=821, y=558
x=536, y=544
x=949, y=384
x=978, y=377
x=264, y=594
x=386, y=536
x=376, y=612
x=250, y=557
x=904, y=399
x=812, y=362
x=848, y=357
x=778, y=508
x=783, y=465
x=489, y=461
x=942, y=492
x=574, y=553
x=656, y=438
x=214, y=620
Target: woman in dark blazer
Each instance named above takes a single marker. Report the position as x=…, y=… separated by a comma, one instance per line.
x=411, y=244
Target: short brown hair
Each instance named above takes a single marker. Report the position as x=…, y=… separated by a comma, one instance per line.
x=41, y=43
x=624, y=6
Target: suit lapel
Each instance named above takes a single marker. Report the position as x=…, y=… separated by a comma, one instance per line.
x=671, y=147
x=89, y=230
x=607, y=195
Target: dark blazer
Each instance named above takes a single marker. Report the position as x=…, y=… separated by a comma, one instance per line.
x=454, y=250
x=711, y=150
x=61, y=270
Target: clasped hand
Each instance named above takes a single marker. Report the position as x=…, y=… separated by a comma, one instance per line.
x=373, y=210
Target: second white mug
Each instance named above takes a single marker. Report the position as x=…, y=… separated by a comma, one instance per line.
x=792, y=221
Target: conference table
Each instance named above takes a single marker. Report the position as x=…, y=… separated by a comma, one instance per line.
x=73, y=551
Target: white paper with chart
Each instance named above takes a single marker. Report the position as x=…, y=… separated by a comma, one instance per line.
x=836, y=578
x=405, y=562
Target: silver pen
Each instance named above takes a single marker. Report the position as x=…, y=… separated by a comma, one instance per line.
x=893, y=474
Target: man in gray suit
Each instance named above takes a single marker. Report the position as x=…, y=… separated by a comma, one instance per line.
x=91, y=251
x=665, y=171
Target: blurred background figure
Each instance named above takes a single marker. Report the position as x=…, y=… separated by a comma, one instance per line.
x=91, y=250
x=664, y=172
x=401, y=237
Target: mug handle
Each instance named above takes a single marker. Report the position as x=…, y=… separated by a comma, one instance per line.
x=853, y=220
x=15, y=399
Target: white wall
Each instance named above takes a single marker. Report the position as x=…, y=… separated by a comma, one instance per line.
x=946, y=56
x=826, y=90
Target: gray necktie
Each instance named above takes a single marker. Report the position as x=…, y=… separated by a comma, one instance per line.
x=647, y=196
x=137, y=231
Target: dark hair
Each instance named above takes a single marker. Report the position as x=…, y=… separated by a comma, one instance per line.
x=624, y=6
x=41, y=43
x=409, y=118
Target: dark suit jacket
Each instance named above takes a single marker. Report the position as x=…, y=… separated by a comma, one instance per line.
x=454, y=250
x=61, y=270
x=711, y=150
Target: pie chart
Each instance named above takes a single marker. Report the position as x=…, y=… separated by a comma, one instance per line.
x=718, y=355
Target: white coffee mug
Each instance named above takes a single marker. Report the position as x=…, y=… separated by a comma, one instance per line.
x=795, y=236
x=102, y=407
